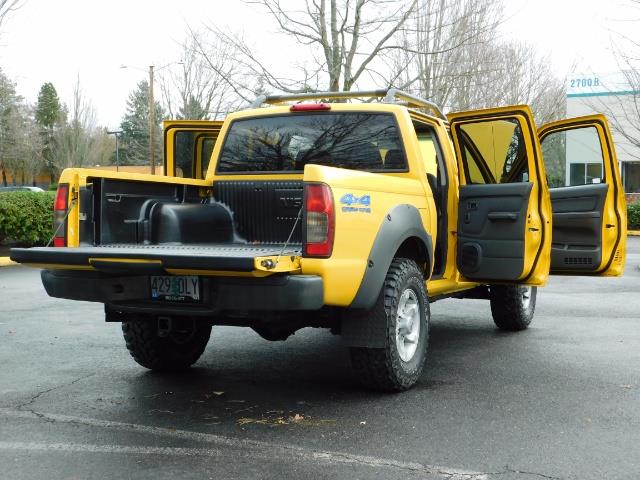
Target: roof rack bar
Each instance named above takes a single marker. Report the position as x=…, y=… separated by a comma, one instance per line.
x=413, y=100
x=392, y=95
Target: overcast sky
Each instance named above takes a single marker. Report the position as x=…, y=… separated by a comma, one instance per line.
x=54, y=41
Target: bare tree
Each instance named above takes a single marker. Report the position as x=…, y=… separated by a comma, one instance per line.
x=451, y=56
x=623, y=110
x=9, y=102
x=201, y=86
x=345, y=39
x=31, y=146
x=440, y=50
x=513, y=73
x=6, y=7
x=73, y=141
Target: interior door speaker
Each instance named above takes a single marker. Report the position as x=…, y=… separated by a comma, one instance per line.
x=470, y=257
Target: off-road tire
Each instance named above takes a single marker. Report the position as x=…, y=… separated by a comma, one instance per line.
x=510, y=308
x=173, y=352
x=382, y=368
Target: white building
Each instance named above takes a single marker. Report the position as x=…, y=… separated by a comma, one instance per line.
x=613, y=95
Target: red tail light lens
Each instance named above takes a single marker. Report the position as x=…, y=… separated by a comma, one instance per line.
x=319, y=220
x=60, y=205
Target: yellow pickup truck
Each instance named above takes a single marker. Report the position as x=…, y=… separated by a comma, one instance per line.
x=350, y=211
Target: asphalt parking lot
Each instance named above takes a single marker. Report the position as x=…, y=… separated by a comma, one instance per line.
x=560, y=400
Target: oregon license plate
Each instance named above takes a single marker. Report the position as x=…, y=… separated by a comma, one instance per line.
x=175, y=288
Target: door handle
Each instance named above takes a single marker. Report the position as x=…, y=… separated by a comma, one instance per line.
x=502, y=216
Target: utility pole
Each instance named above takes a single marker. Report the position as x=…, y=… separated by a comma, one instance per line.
x=152, y=123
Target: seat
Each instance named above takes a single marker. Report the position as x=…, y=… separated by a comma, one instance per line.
x=394, y=160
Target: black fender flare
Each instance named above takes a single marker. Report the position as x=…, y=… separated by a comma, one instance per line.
x=402, y=222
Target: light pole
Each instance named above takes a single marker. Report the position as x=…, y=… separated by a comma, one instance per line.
x=116, y=133
x=152, y=123
x=152, y=111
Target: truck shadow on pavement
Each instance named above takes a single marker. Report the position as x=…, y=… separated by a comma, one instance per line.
x=306, y=380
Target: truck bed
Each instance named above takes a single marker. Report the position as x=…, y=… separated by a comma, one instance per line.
x=223, y=257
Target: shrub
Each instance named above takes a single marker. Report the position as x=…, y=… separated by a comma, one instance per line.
x=26, y=218
x=633, y=216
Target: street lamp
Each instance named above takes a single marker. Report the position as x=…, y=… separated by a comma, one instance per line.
x=152, y=110
x=116, y=133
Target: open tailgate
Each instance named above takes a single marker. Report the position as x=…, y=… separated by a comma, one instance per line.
x=136, y=259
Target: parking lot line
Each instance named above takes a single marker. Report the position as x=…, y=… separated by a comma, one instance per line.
x=255, y=448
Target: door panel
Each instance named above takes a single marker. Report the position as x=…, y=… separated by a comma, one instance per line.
x=491, y=230
x=576, y=242
x=589, y=209
x=504, y=215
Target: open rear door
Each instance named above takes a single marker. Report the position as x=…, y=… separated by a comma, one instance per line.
x=504, y=215
x=188, y=145
x=589, y=208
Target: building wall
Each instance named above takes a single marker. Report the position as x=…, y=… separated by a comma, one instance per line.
x=611, y=94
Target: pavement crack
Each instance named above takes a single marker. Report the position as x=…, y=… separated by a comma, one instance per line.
x=508, y=470
x=34, y=398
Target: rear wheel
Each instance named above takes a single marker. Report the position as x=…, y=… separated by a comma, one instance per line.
x=404, y=305
x=512, y=306
x=157, y=347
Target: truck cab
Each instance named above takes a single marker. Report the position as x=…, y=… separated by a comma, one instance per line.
x=320, y=210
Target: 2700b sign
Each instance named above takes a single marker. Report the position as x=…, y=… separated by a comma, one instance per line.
x=175, y=288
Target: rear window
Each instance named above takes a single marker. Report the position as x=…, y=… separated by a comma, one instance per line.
x=359, y=141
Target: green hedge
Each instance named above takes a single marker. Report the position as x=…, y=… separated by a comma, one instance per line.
x=26, y=218
x=633, y=216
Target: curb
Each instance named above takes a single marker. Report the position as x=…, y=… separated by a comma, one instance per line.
x=6, y=262
x=633, y=233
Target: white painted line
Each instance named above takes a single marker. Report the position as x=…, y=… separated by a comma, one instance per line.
x=257, y=448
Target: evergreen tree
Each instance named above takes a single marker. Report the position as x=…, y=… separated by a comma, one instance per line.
x=192, y=110
x=49, y=115
x=135, y=128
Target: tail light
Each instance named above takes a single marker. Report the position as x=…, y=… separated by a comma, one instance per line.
x=60, y=206
x=309, y=107
x=319, y=224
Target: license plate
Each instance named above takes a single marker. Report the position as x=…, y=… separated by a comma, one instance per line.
x=175, y=288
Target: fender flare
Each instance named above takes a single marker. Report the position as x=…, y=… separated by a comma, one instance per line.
x=402, y=222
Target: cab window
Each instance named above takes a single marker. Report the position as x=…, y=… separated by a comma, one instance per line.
x=573, y=157
x=192, y=153
x=493, y=152
x=184, y=154
x=286, y=143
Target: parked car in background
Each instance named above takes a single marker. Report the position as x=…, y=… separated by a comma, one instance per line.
x=22, y=188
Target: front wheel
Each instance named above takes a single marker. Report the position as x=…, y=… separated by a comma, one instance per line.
x=404, y=305
x=166, y=349
x=512, y=306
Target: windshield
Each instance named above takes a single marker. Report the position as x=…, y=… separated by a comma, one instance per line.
x=360, y=141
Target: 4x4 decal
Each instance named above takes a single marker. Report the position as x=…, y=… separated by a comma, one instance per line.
x=350, y=203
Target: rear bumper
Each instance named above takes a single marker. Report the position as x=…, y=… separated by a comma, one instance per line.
x=218, y=294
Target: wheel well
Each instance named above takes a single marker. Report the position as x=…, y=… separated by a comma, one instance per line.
x=414, y=249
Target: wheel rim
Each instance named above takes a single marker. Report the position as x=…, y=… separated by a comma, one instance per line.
x=408, y=325
x=526, y=297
